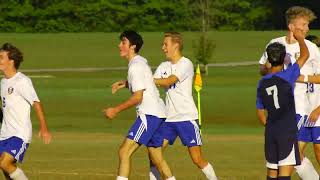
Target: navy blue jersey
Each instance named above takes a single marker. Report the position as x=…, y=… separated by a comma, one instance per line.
x=275, y=94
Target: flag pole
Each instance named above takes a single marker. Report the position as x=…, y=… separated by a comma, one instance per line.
x=198, y=87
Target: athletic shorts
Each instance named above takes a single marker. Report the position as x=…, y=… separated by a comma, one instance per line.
x=281, y=150
x=143, y=131
x=187, y=131
x=15, y=146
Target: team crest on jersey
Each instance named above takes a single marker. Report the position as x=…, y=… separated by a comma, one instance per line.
x=297, y=55
x=10, y=90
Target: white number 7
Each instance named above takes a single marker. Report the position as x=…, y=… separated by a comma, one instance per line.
x=275, y=95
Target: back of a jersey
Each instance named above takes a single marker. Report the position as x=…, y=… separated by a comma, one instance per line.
x=277, y=98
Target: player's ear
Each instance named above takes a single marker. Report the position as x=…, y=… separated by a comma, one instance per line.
x=133, y=47
x=291, y=27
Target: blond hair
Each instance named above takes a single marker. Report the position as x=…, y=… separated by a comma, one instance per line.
x=295, y=12
x=176, y=38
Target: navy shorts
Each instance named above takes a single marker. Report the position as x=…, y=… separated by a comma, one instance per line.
x=281, y=150
x=15, y=146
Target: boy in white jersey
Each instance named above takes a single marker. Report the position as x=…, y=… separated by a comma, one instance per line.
x=299, y=18
x=18, y=95
x=150, y=107
x=176, y=76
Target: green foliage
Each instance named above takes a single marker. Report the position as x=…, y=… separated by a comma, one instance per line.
x=203, y=49
x=141, y=15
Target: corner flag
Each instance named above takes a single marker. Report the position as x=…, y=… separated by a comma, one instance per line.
x=198, y=87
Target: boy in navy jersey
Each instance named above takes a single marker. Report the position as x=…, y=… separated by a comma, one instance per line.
x=275, y=96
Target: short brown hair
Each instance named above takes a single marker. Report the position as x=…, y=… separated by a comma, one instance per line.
x=13, y=54
x=298, y=11
x=176, y=37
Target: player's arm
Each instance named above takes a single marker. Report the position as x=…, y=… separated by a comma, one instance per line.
x=261, y=113
x=119, y=85
x=310, y=79
x=304, y=52
x=166, y=82
x=44, y=132
x=134, y=99
x=314, y=115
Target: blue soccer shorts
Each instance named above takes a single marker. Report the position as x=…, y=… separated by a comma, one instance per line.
x=187, y=131
x=143, y=131
x=15, y=146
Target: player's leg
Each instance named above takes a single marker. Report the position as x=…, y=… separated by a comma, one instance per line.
x=306, y=170
x=127, y=148
x=285, y=172
x=272, y=174
x=288, y=155
x=190, y=136
x=157, y=160
x=165, y=135
x=8, y=166
x=6, y=175
x=154, y=174
x=12, y=150
x=316, y=142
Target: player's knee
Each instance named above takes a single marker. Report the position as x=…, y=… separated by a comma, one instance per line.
x=4, y=165
x=197, y=160
x=123, y=153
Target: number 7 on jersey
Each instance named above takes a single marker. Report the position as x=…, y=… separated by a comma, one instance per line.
x=273, y=90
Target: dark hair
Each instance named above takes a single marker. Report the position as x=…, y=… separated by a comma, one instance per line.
x=314, y=39
x=134, y=39
x=276, y=53
x=13, y=54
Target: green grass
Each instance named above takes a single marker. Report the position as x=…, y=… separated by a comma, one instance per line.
x=85, y=144
x=63, y=50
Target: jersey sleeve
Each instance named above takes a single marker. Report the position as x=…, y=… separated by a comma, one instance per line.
x=259, y=104
x=157, y=73
x=291, y=74
x=27, y=91
x=184, y=70
x=137, y=78
x=263, y=58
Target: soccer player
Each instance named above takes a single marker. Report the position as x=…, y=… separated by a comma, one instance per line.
x=176, y=76
x=314, y=39
x=299, y=18
x=150, y=107
x=275, y=96
x=18, y=96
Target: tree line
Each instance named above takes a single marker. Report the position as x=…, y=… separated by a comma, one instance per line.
x=145, y=15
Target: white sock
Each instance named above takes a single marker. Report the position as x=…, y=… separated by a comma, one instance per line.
x=18, y=175
x=171, y=178
x=209, y=172
x=121, y=178
x=154, y=174
x=306, y=170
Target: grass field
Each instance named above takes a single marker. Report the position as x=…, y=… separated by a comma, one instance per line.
x=85, y=143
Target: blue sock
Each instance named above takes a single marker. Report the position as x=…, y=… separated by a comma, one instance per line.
x=270, y=178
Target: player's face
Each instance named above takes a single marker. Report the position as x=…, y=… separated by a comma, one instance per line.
x=301, y=23
x=125, y=47
x=4, y=61
x=169, y=47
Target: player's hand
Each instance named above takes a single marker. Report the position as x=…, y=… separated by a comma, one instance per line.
x=298, y=34
x=314, y=115
x=300, y=79
x=110, y=113
x=45, y=135
x=118, y=85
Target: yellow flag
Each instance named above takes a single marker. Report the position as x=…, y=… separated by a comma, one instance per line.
x=198, y=80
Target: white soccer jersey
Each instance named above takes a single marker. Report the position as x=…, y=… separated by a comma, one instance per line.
x=311, y=67
x=18, y=95
x=180, y=105
x=140, y=78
